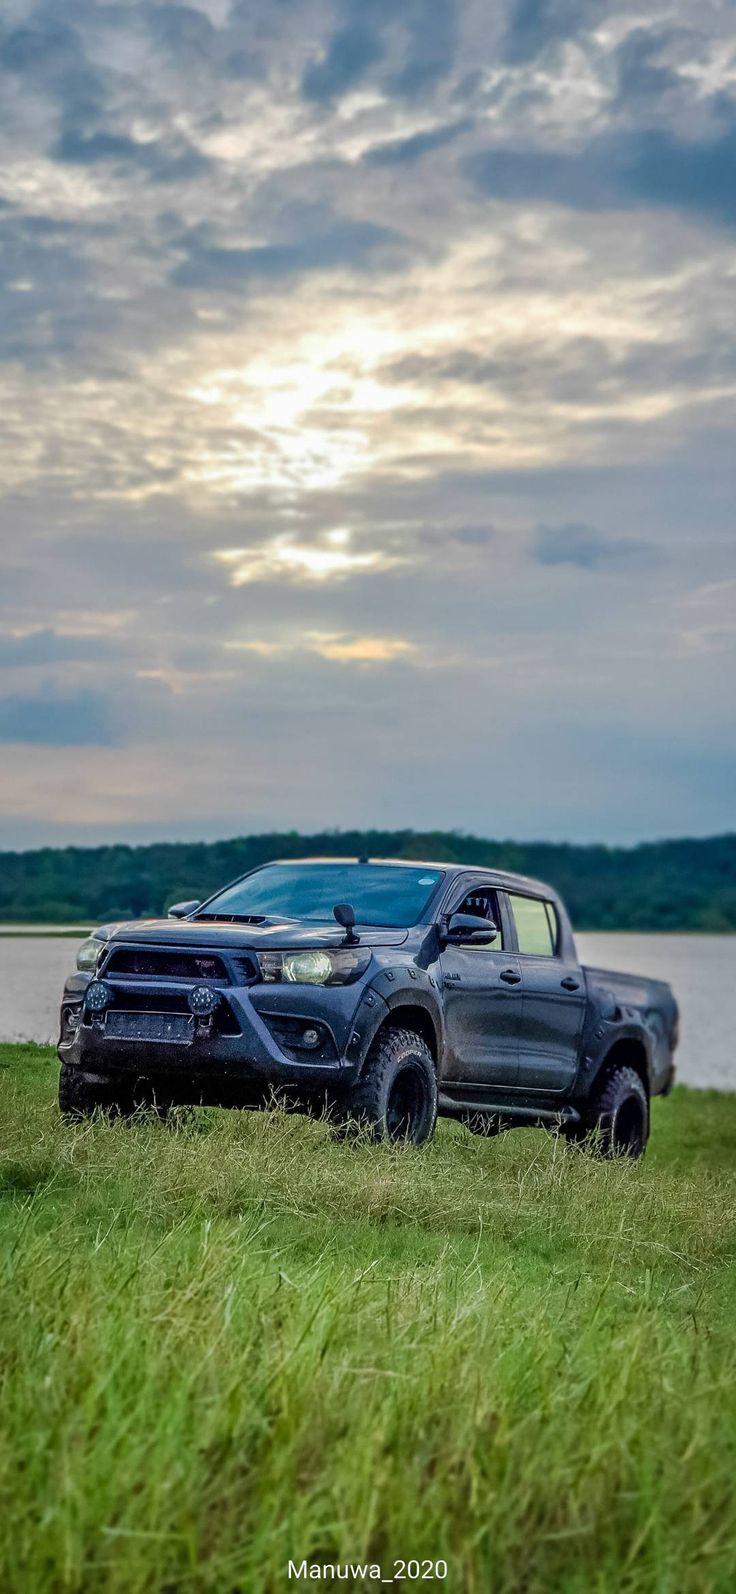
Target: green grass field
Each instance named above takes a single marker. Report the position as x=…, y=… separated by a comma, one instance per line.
x=232, y=1342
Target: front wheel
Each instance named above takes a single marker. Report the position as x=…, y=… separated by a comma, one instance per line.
x=619, y=1119
x=79, y=1097
x=396, y=1096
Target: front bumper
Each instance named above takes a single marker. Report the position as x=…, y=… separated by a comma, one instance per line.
x=250, y=1060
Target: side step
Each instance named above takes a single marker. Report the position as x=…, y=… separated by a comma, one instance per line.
x=509, y=1110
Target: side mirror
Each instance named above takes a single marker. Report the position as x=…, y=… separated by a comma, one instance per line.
x=468, y=929
x=345, y=915
x=182, y=910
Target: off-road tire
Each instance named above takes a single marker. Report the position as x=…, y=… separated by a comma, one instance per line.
x=78, y=1098
x=618, y=1120
x=395, y=1098
x=571, y=1132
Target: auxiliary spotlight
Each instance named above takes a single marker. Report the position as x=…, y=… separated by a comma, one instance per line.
x=97, y=997
x=203, y=1001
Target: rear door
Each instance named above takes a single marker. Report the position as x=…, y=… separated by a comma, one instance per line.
x=482, y=1000
x=553, y=1003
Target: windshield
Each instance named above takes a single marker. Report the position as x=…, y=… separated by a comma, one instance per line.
x=381, y=894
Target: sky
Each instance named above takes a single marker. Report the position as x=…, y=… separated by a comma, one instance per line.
x=367, y=383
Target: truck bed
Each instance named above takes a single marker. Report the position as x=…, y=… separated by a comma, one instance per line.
x=655, y=1002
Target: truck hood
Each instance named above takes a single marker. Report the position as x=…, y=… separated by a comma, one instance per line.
x=279, y=934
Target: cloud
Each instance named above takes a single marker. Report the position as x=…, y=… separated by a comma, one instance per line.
x=708, y=618
x=313, y=239
x=336, y=647
x=49, y=720
x=310, y=311
x=171, y=160
x=431, y=40
x=644, y=80
x=534, y=25
x=45, y=646
x=698, y=175
x=49, y=300
x=619, y=171
x=49, y=55
x=184, y=29
x=575, y=371
x=473, y=536
x=283, y=558
x=405, y=151
x=412, y=45
x=47, y=44
x=352, y=50
x=588, y=549
x=361, y=650
x=584, y=181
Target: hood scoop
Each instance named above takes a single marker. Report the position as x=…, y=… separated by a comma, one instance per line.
x=233, y=918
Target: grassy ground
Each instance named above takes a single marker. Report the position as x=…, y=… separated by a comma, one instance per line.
x=234, y=1343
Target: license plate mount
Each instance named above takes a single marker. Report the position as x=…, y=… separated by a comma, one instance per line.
x=171, y=1028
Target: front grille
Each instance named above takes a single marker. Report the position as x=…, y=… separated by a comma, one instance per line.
x=150, y=1001
x=153, y=964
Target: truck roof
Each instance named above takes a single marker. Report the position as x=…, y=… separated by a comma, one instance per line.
x=499, y=877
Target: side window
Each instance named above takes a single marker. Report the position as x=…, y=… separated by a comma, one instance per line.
x=536, y=928
x=483, y=904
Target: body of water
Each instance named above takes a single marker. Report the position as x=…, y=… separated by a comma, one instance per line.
x=700, y=968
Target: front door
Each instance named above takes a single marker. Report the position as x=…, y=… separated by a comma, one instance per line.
x=553, y=1005
x=482, y=1000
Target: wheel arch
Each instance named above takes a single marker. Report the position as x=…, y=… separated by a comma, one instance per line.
x=415, y=1016
x=629, y=1051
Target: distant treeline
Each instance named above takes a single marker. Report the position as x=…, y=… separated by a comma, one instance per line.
x=666, y=885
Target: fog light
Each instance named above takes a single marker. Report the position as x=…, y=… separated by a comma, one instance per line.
x=310, y=1037
x=203, y=1001
x=97, y=996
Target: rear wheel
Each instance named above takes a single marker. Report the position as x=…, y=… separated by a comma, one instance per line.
x=396, y=1096
x=619, y=1116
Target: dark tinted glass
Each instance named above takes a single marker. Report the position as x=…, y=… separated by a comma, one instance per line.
x=381, y=894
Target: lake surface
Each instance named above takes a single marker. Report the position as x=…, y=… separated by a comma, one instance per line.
x=700, y=968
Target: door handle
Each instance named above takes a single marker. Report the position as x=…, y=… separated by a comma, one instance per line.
x=569, y=984
x=510, y=977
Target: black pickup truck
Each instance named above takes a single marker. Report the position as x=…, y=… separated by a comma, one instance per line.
x=383, y=992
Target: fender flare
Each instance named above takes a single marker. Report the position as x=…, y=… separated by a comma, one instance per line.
x=625, y=1036
x=388, y=993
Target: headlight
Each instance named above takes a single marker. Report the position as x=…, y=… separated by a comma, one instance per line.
x=89, y=953
x=314, y=968
x=307, y=968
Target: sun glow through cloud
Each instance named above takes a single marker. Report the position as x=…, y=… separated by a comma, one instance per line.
x=335, y=646
x=330, y=560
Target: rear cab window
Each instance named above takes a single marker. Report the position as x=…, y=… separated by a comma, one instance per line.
x=536, y=925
